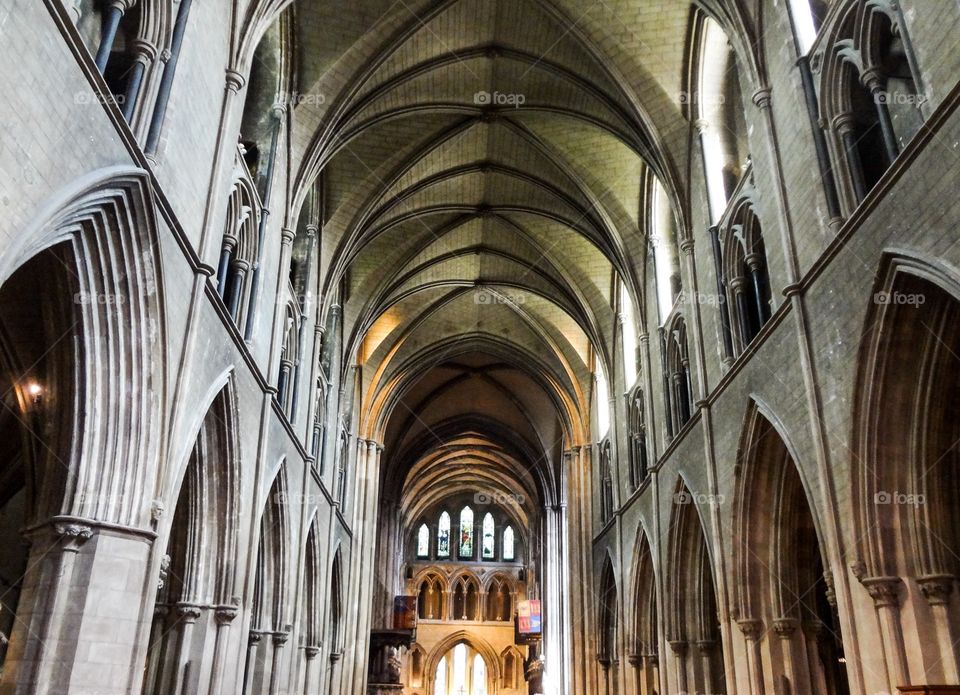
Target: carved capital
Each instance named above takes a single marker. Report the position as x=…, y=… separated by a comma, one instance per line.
x=311, y=652
x=72, y=536
x=936, y=588
x=188, y=612
x=812, y=627
x=679, y=647
x=885, y=591
x=706, y=647
x=234, y=81
x=785, y=627
x=761, y=97
x=227, y=614
x=751, y=628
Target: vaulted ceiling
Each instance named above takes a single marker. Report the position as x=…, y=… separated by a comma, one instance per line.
x=483, y=166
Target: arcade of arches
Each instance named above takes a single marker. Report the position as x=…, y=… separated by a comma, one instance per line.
x=636, y=322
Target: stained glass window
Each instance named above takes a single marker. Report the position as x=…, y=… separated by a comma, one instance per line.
x=459, y=669
x=466, y=532
x=489, y=545
x=508, y=551
x=443, y=536
x=440, y=678
x=479, y=676
x=423, y=541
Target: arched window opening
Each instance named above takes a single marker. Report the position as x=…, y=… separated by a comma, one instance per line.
x=871, y=95
x=466, y=534
x=303, y=251
x=430, y=599
x=460, y=669
x=509, y=551
x=662, y=237
x=900, y=93
x=440, y=678
x=423, y=541
x=443, y=536
x=289, y=360
x=117, y=55
x=638, y=440
x=745, y=277
x=465, y=599
x=807, y=17
x=628, y=336
x=479, y=676
x=677, y=386
x=720, y=116
x=489, y=539
x=602, y=396
x=343, y=455
x=606, y=482
x=240, y=248
x=499, y=601
x=263, y=104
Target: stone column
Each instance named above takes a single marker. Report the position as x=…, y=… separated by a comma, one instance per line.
x=253, y=643
x=70, y=538
x=187, y=616
x=875, y=82
x=239, y=269
x=885, y=594
x=707, y=648
x=279, y=330
x=224, y=616
x=156, y=660
x=144, y=53
x=786, y=630
x=755, y=263
x=310, y=653
x=223, y=157
x=679, y=648
x=811, y=633
x=737, y=286
x=335, y=673
x=753, y=632
x=937, y=589
x=844, y=125
x=651, y=671
x=280, y=640
x=112, y=14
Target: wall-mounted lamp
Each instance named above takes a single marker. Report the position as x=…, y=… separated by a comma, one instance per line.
x=34, y=392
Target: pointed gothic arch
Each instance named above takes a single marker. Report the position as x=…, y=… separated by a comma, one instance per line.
x=95, y=345
x=644, y=646
x=692, y=622
x=608, y=621
x=269, y=618
x=198, y=584
x=783, y=580
x=905, y=462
